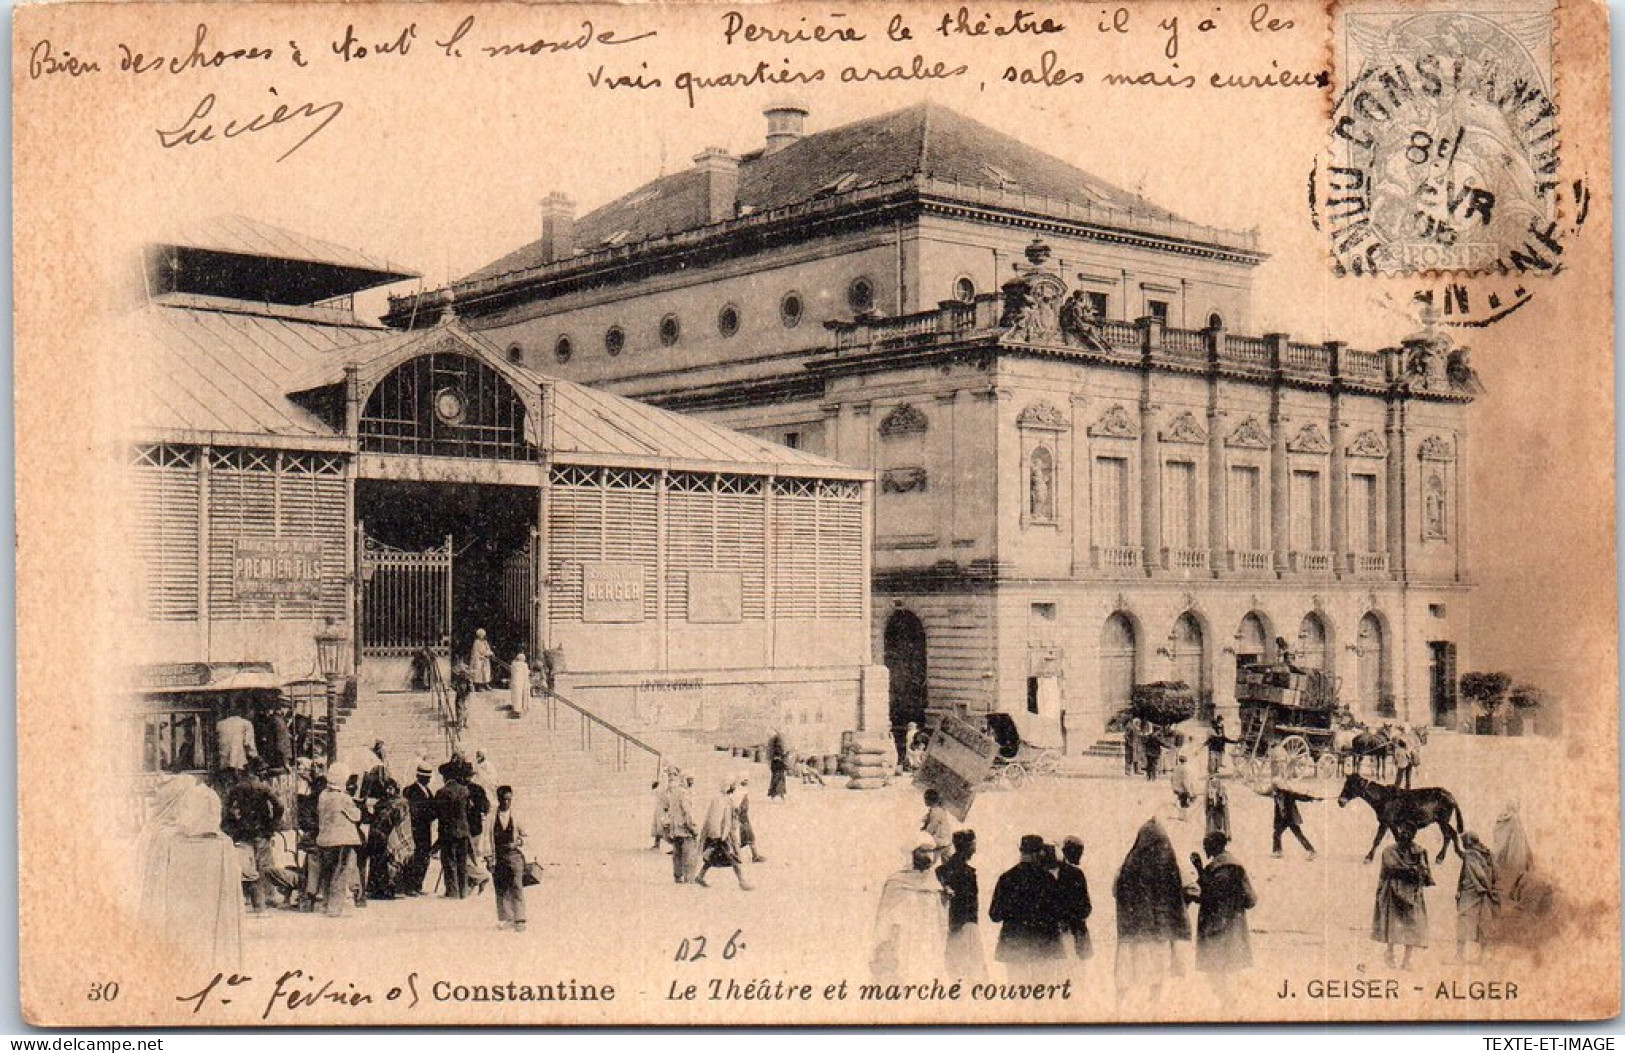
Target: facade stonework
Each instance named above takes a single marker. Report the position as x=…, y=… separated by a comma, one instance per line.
x=1089, y=475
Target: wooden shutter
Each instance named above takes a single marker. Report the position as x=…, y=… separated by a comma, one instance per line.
x=575, y=534
x=242, y=504
x=166, y=525
x=795, y=549
x=715, y=522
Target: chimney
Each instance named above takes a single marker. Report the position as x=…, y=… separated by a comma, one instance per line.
x=721, y=183
x=558, y=227
x=785, y=122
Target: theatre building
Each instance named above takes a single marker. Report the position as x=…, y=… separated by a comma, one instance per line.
x=291, y=465
x=1093, y=469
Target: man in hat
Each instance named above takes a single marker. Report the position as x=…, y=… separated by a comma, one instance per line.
x=1026, y=901
x=251, y=817
x=420, y=801
x=1073, y=888
x=338, y=837
x=452, y=808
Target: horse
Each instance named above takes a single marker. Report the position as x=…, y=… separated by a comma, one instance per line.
x=1413, y=808
x=1357, y=743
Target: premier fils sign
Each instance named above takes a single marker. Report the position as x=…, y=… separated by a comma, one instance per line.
x=611, y=592
x=277, y=569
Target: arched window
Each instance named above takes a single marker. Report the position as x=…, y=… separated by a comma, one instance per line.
x=516, y=355
x=1215, y=321
x=1254, y=643
x=1190, y=655
x=1119, y=645
x=446, y=405
x=1312, y=652
x=1373, y=693
x=1041, y=485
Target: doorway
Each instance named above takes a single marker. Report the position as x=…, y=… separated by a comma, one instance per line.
x=905, y=659
x=1442, y=682
x=491, y=529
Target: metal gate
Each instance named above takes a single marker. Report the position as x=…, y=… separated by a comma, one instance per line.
x=519, y=593
x=405, y=598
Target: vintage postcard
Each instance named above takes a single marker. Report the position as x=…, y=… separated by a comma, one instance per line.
x=839, y=513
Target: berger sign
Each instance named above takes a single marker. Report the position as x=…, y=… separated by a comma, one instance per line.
x=277, y=569
x=611, y=592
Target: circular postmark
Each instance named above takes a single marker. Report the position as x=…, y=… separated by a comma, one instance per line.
x=1443, y=150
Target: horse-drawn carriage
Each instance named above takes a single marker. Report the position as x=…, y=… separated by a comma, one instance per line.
x=1017, y=761
x=1287, y=721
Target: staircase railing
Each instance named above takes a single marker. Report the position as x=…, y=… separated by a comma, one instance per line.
x=445, y=704
x=622, y=743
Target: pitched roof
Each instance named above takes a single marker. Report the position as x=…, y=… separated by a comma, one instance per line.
x=220, y=372
x=243, y=258
x=249, y=237
x=203, y=369
x=925, y=140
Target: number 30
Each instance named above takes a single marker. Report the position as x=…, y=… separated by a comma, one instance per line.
x=102, y=991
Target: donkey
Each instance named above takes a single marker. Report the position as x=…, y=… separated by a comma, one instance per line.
x=1413, y=808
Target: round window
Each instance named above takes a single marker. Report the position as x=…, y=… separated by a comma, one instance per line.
x=670, y=330
x=563, y=349
x=860, y=295
x=790, y=310
x=615, y=340
x=964, y=289
x=728, y=320
x=450, y=405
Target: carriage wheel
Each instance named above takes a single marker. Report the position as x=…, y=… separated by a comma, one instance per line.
x=1015, y=776
x=1047, y=764
x=1300, y=762
x=1329, y=767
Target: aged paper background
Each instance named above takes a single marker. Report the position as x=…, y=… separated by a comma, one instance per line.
x=437, y=163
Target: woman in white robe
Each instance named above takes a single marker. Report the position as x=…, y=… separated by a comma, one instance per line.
x=196, y=900
x=911, y=925
x=519, y=685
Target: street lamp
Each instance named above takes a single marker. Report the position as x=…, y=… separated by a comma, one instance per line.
x=329, y=649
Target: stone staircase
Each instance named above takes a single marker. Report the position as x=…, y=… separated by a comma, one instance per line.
x=552, y=751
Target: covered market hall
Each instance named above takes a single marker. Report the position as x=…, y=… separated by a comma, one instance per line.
x=296, y=475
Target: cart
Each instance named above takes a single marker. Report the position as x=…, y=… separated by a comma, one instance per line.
x=1017, y=761
x=1286, y=721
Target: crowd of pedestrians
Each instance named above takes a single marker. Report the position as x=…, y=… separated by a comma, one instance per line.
x=716, y=839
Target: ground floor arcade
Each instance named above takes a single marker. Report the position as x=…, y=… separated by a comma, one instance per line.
x=1063, y=657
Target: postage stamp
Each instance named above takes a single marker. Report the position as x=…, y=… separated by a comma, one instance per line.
x=1444, y=140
